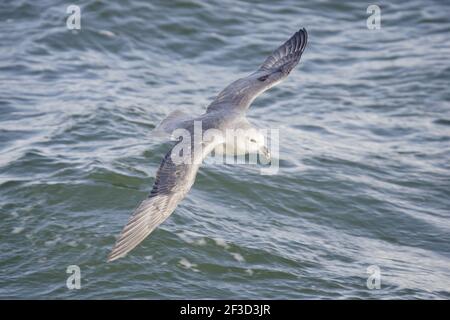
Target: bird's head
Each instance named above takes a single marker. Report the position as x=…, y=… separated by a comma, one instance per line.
x=256, y=143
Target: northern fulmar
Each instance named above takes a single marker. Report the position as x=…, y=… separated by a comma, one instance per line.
x=179, y=167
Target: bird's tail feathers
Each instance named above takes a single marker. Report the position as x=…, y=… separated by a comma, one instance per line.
x=173, y=121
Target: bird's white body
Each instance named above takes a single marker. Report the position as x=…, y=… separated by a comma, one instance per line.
x=238, y=142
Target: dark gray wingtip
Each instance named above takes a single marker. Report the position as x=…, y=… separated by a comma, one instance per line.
x=288, y=54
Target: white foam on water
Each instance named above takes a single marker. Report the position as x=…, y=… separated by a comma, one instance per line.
x=187, y=264
x=183, y=236
x=201, y=242
x=51, y=243
x=73, y=243
x=17, y=230
x=222, y=243
x=238, y=257
x=107, y=33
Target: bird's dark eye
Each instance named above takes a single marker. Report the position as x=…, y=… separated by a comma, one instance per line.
x=253, y=140
x=263, y=78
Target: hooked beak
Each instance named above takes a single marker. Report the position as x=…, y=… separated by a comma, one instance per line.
x=266, y=153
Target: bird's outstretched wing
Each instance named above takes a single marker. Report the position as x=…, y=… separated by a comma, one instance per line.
x=240, y=94
x=174, y=179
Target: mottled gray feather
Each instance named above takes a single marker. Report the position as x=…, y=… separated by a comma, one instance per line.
x=173, y=181
x=238, y=96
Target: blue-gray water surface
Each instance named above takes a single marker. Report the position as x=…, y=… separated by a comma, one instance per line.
x=364, y=177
